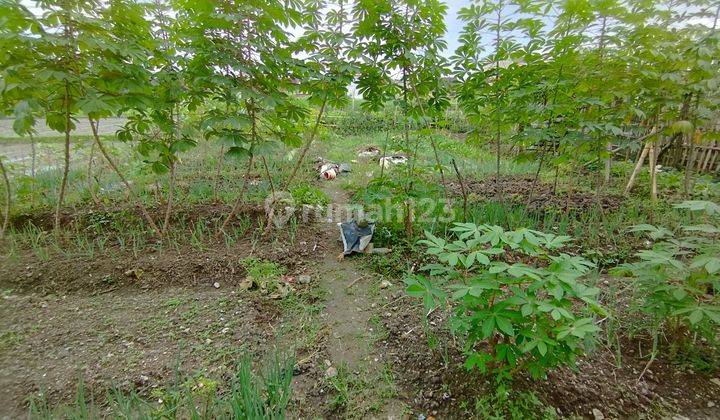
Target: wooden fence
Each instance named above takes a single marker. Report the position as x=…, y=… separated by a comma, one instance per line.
x=706, y=157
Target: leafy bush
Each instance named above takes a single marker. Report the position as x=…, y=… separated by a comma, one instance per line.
x=514, y=316
x=401, y=203
x=675, y=282
x=308, y=194
x=356, y=121
x=258, y=269
x=512, y=405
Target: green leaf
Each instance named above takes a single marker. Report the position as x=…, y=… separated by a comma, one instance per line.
x=679, y=293
x=542, y=348
x=713, y=265
x=505, y=326
x=695, y=316
x=488, y=326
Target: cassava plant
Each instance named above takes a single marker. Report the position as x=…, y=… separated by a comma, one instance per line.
x=156, y=123
x=240, y=54
x=399, y=43
x=58, y=45
x=117, y=79
x=19, y=94
x=488, y=76
x=329, y=67
x=675, y=281
x=513, y=316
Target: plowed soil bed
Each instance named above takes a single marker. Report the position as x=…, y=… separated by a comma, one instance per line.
x=540, y=196
x=132, y=321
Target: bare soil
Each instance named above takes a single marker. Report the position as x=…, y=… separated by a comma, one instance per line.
x=130, y=339
x=541, y=196
x=135, y=322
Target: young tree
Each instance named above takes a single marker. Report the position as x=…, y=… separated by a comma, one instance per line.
x=329, y=69
x=118, y=80
x=490, y=80
x=552, y=126
x=61, y=42
x=599, y=80
x=701, y=82
x=156, y=122
x=654, y=83
x=241, y=54
x=19, y=94
x=400, y=44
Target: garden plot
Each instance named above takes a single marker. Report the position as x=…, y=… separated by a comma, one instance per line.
x=535, y=194
x=130, y=319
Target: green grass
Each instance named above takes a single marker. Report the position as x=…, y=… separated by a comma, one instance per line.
x=247, y=394
x=512, y=405
x=357, y=395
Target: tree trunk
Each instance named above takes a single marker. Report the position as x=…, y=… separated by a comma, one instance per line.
x=171, y=194
x=653, y=172
x=239, y=200
x=271, y=211
x=439, y=165
x=411, y=162
x=406, y=129
x=571, y=187
x=638, y=166
x=641, y=159
x=434, y=147
x=462, y=188
x=537, y=175
x=246, y=179
x=124, y=181
x=66, y=167
x=90, y=185
x=307, y=145
x=6, y=211
x=218, y=169
x=384, y=152
x=498, y=190
x=608, y=166
x=692, y=139
x=33, y=152
x=688, y=164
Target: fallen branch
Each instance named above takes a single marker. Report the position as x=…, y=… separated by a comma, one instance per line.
x=355, y=281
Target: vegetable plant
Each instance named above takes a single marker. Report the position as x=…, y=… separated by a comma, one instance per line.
x=528, y=311
x=675, y=281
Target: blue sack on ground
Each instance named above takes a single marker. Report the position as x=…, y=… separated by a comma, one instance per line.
x=355, y=238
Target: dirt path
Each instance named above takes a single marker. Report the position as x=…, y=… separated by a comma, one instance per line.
x=352, y=299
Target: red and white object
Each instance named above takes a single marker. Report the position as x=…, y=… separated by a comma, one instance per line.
x=329, y=171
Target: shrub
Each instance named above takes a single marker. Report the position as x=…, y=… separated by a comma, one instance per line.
x=308, y=194
x=675, y=282
x=514, y=316
x=258, y=269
